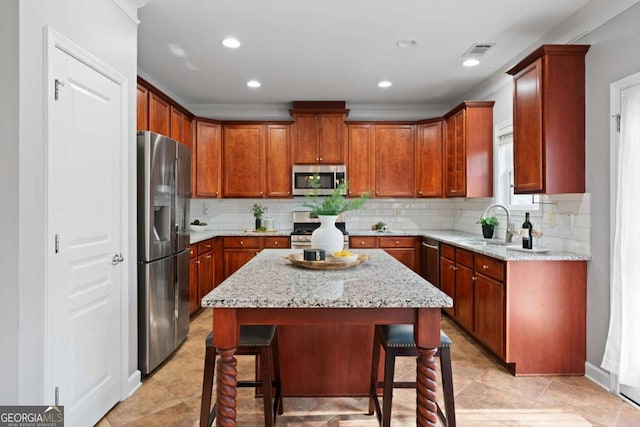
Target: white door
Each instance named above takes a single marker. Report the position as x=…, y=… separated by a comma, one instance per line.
x=84, y=199
x=621, y=345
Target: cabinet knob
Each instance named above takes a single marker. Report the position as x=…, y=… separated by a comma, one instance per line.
x=321, y=159
x=474, y=278
x=275, y=243
x=397, y=242
x=241, y=242
x=198, y=262
x=485, y=267
x=362, y=243
x=420, y=192
x=208, y=246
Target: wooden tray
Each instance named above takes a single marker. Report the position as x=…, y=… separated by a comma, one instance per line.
x=328, y=264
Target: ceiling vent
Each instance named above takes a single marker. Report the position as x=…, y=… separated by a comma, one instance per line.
x=478, y=49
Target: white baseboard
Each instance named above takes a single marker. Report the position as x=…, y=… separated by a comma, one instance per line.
x=598, y=376
x=133, y=383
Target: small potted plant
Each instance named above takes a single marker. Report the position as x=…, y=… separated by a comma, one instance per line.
x=258, y=210
x=488, y=224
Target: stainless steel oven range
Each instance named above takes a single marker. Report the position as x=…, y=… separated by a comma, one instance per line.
x=303, y=226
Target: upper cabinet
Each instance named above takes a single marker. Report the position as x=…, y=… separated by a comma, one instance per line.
x=429, y=156
x=319, y=132
x=548, y=120
x=142, y=108
x=395, y=160
x=468, y=150
x=360, y=158
x=278, y=164
x=208, y=159
x=159, y=117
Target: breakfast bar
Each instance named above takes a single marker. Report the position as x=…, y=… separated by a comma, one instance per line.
x=271, y=290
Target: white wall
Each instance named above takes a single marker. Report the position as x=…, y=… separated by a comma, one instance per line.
x=102, y=28
x=9, y=291
x=612, y=56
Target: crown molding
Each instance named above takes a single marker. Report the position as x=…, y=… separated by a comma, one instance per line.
x=130, y=7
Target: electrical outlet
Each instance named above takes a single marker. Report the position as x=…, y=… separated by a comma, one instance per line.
x=552, y=219
x=397, y=212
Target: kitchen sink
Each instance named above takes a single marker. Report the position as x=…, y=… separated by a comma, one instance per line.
x=482, y=242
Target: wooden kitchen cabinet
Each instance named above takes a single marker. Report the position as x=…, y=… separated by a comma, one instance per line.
x=278, y=161
x=238, y=251
x=276, y=242
x=468, y=150
x=142, y=108
x=159, y=117
x=360, y=148
x=549, y=120
x=194, y=303
x=395, y=160
x=363, y=242
x=530, y=314
x=319, y=132
x=208, y=159
x=243, y=160
x=401, y=248
x=429, y=156
x=176, y=124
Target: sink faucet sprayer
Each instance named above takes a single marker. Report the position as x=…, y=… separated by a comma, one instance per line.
x=510, y=226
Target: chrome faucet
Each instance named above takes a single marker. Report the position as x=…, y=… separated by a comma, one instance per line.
x=510, y=226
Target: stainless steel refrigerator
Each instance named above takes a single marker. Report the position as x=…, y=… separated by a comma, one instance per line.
x=164, y=192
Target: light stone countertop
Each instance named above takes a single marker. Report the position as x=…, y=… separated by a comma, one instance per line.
x=474, y=242
x=271, y=281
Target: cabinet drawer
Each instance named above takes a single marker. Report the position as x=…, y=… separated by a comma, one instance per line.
x=205, y=246
x=396, y=242
x=362, y=242
x=464, y=258
x=249, y=242
x=193, y=251
x=489, y=267
x=277, y=242
x=447, y=251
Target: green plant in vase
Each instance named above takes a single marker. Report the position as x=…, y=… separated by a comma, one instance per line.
x=258, y=210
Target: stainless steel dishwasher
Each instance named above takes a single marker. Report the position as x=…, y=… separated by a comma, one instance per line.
x=431, y=260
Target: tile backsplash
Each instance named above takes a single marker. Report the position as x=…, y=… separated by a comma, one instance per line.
x=564, y=220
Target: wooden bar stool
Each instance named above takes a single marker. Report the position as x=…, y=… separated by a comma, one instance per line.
x=254, y=340
x=397, y=340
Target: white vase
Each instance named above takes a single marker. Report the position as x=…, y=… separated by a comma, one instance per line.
x=327, y=236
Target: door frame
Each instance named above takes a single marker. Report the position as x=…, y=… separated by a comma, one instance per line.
x=615, y=90
x=55, y=40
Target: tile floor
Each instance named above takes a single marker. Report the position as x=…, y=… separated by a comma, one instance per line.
x=486, y=395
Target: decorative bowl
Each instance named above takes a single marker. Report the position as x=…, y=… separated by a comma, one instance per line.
x=351, y=257
x=197, y=228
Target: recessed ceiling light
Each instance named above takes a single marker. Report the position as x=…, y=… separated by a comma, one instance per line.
x=230, y=42
x=471, y=62
x=384, y=84
x=406, y=43
x=254, y=83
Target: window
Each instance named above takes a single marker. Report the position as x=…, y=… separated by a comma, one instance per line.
x=504, y=192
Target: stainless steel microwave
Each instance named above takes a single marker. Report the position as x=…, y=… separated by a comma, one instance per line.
x=331, y=176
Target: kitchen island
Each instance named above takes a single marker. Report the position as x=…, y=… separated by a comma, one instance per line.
x=270, y=290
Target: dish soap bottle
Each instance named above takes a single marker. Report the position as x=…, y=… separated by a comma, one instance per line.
x=527, y=229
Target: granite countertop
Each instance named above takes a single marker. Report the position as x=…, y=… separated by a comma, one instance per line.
x=271, y=281
x=494, y=248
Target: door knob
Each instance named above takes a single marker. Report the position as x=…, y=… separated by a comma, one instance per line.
x=117, y=259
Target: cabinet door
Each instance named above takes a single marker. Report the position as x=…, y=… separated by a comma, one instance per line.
x=455, y=178
x=395, y=161
x=527, y=130
x=278, y=164
x=360, y=156
x=429, y=182
x=176, y=125
x=208, y=159
x=464, y=296
x=206, y=274
x=489, y=303
x=404, y=255
x=236, y=258
x=142, y=108
x=194, y=302
x=158, y=114
x=331, y=136
x=448, y=282
x=243, y=157
x=305, y=139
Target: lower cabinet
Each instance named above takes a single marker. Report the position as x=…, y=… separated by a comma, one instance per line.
x=202, y=272
x=403, y=248
x=240, y=250
x=530, y=314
